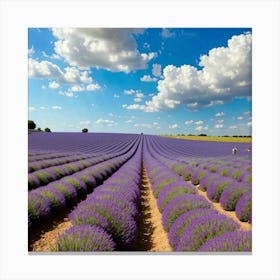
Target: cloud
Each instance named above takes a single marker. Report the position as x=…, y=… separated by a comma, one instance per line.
x=233, y=127
x=47, y=69
x=200, y=128
x=31, y=51
x=93, y=87
x=116, y=96
x=77, y=88
x=68, y=93
x=240, y=118
x=131, y=91
x=166, y=33
x=54, y=85
x=156, y=70
x=139, y=97
x=188, y=122
x=56, y=107
x=114, y=49
x=148, y=78
x=226, y=72
x=31, y=109
x=129, y=121
x=199, y=122
x=43, y=108
x=220, y=114
x=174, y=126
x=134, y=107
x=153, y=125
x=103, y=121
x=219, y=126
x=219, y=121
x=249, y=124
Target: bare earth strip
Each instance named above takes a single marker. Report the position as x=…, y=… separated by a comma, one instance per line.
x=152, y=236
x=48, y=239
x=231, y=214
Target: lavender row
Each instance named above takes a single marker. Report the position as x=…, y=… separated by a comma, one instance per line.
x=47, y=155
x=44, y=176
x=45, y=202
x=40, y=164
x=222, y=189
x=79, y=142
x=188, y=218
x=107, y=219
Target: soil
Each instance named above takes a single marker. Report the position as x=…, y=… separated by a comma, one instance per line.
x=47, y=240
x=152, y=236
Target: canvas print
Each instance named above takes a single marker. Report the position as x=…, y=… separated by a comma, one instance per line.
x=140, y=140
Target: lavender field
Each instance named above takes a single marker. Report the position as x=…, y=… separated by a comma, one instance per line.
x=134, y=192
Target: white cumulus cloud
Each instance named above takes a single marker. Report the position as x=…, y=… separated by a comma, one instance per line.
x=93, y=87
x=56, y=107
x=104, y=121
x=188, y=122
x=174, y=126
x=54, y=85
x=47, y=69
x=114, y=49
x=219, y=126
x=156, y=70
x=226, y=72
x=220, y=114
x=148, y=78
x=199, y=122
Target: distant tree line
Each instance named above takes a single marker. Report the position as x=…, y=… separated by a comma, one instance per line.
x=32, y=126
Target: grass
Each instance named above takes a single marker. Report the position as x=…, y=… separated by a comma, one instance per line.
x=212, y=138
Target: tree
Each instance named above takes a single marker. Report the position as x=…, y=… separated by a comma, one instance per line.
x=39, y=129
x=31, y=124
x=84, y=130
x=47, y=129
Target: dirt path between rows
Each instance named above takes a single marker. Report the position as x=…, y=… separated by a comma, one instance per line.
x=152, y=236
x=231, y=214
x=47, y=240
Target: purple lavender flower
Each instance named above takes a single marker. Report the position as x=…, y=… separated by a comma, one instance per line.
x=180, y=205
x=206, y=181
x=66, y=189
x=198, y=175
x=162, y=182
x=173, y=190
x=85, y=238
x=217, y=186
x=56, y=198
x=78, y=184
x=243, y=207
x=232, y=194
x=188, y=171
x=178, y=227
x=88, y=217
x=235, y=241
x=202, y=229
x=122, y=226
x=33, y=181
x=87, y=179
x=39, y=207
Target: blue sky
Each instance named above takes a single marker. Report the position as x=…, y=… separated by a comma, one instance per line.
x=155, y=80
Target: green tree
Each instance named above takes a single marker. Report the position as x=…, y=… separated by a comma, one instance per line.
x=39, y=129
x=84, y=130
x=31, y=124
x=47, y=129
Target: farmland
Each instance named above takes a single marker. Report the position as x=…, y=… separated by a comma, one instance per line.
x=135, y=192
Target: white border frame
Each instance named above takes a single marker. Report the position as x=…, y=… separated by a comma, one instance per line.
x=262, y=16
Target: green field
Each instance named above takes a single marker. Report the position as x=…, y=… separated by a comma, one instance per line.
x=213, y=138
